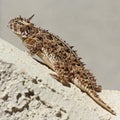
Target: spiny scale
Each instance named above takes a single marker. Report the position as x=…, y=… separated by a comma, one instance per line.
x=59, y=56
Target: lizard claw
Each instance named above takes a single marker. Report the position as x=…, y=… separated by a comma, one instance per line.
x=63, y=81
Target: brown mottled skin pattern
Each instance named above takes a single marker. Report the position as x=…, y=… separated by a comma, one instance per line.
x=59, y=56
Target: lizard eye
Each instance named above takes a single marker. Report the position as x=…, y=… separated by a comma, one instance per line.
x=20, y=22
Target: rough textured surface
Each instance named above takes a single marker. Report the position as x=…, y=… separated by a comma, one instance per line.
x=90, y=25
x=28, y=92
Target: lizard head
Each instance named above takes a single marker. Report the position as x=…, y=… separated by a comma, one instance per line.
x=21, y=26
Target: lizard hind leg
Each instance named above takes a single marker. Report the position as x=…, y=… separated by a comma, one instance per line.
x=63, y=81
x=95, y=87
x=98, y=88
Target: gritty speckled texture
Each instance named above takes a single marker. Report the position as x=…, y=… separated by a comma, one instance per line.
x=28, y=92
x=21, y=96
x=91, y=26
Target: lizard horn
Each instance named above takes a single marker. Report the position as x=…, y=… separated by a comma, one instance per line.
x=31, y=17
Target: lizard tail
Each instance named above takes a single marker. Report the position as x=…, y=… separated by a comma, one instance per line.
x=99, y=101
x=94, y=96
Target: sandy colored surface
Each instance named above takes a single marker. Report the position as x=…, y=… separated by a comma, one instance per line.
x=27, y=92
x=92, y=26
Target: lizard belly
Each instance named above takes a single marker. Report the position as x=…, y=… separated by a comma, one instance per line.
x=45, y=59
